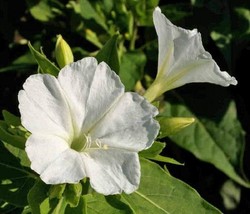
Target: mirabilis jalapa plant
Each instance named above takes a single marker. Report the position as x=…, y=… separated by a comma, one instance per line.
x=83, y=124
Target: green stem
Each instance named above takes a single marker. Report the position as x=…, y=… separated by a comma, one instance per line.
x=133, y=37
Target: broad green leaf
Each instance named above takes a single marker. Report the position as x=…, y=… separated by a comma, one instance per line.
x=89, y=12
x=219, y=143
x=161, y=193
x=44, y=63
x=131, y=68
x=109, y=54
x=15, y=179
x=97, y=203
x=38, y=198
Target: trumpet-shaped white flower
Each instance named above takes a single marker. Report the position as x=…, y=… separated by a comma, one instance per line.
x=182, y=59
x=83, y=124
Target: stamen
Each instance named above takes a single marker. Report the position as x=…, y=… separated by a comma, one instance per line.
x=100, y=144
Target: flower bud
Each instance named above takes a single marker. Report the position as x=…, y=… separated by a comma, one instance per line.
x=170, y=126
x=63, y=52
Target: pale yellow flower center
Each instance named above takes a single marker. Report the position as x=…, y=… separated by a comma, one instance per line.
x=85, y=142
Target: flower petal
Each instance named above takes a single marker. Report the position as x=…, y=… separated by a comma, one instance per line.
x=91, y=90
x=43, y=106
x=182, y=59
x=166, y=36
x=42, y=150
x=128, y=125
x=52, y=158
x=112, y=171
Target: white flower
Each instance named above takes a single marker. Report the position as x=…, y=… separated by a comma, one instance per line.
x=83, y=124
x=182, y=59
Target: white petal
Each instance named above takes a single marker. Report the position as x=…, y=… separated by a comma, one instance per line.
x=42, y=150
x=43, y=106
x=202, y=70
x=183, y=59
x=128, y=125
x=165, y=41
x=69, y=167
x=113, y=171
x=91, y=90
x=52, y=158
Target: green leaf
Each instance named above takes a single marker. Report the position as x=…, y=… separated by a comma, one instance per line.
x=11, y=130
x=44, y=198
x=166, y=160
x=11, y=119
x=81, y=208
x=159, y=192
x=8, y=137
x=219, y=143
x=93, y=38
x=72, y=194
x=109, y=54
x=243, y=17
x=58, y=206
x=89, y=12
x=24, y=62
x=46, y=65
x=97, y=203
x=153, y=151
x=143, y=11
x=41, y=11
x=18, y=153
x=108, y=5
x=56, y=191
x=15, y=179
x=38, y=198
x=231, y=195
x=17, y=67
x=131, y=68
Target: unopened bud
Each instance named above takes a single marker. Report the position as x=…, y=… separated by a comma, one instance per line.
x=63, y=52
x=170, y=126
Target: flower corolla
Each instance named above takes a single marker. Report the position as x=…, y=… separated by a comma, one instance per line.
x=83, y=124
